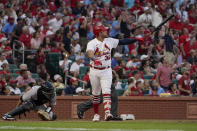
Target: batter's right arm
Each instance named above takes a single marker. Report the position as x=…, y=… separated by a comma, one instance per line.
x=91, y=57
x=90, y=49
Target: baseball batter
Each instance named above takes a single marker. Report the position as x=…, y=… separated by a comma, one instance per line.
x=99, y=52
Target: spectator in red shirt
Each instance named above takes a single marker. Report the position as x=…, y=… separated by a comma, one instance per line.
x=144, y=46
x=52, y=6
x=137, y=89
x=194, y=45
x=184, y=83
x=86, y=79
x=194, y=67
x=162, y=5
x=2, y=86
x=173, y=89
x=74, y=3
x=40, y=57
x=192, y=14
x=40, y=61
x=176, y=24
x=58, y=36
x=160, y=47
x=136, y=75
x=5, y=47
x=184, y=43
x=5, y=70
x=25, y=37
x=24, y=5
x=56, y=48
x=46, y=45
x=117, y=2
x=189, y=26
x=137, y=9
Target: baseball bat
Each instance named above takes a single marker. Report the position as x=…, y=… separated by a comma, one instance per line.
x=162, y=23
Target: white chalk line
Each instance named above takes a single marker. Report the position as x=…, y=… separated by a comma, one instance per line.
x=77, y=129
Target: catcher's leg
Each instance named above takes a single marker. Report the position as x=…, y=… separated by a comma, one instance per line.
x=26, y=106
x=114, y=102
x=84, y=106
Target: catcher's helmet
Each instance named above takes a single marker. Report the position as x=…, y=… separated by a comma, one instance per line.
x=99, y=28
x=46, y=90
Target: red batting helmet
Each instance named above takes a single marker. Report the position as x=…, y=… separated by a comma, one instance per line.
x=99, y=28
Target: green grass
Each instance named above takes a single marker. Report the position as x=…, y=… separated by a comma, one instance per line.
x=127, y=125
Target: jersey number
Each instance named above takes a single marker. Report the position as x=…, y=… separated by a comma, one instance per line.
x=107, y=57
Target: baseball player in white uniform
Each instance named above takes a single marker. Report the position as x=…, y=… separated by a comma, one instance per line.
x=99, y=52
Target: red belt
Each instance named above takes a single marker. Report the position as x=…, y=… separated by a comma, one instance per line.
x=99, y=68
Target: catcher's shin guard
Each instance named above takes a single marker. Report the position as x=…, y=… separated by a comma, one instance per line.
x=26, y=106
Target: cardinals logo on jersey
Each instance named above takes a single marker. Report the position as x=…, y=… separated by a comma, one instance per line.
x=105, y=51
x=106, y=47
x=96, y=51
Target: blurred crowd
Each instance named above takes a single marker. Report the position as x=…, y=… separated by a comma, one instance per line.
x=164, y=64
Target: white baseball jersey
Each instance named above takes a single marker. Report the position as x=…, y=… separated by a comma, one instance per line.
x=102, y=50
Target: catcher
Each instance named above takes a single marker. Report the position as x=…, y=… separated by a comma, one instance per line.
x=36, y=99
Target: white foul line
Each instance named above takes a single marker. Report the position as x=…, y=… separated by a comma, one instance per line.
x=76, y=129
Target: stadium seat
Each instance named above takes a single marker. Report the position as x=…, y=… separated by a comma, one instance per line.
x=127, y=73
x=80, y=84
x=125, y=58
x=14, y=75
x=35, y=76
x=124, y=80
x=59, y=91
x=83, y=69
x=12, y=66
x=15, y=70
x=81, y=76
x=147, y=76
x=52, y=63
x=72, y=59
x=123, y=85
x=53, y=56
x=120, y=92
x=175, y=81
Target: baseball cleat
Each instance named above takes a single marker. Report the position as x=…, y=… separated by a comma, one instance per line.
x=116, y=118
x=8, y=117
x=108, y=117
x=44, y=114
x=96, y=118
x=79, y=113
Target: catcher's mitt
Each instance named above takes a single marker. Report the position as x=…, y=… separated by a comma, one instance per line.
x=44, y=115
x=47, y=116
